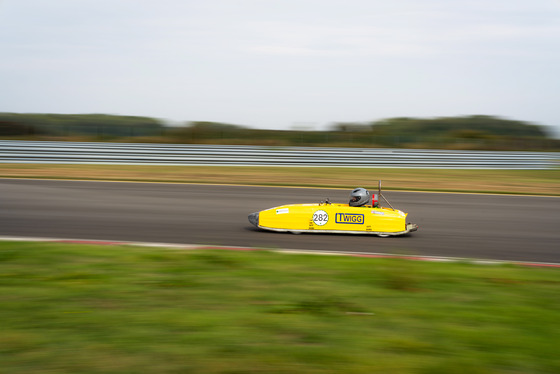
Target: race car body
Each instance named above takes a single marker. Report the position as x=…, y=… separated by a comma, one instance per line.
x=326, y=217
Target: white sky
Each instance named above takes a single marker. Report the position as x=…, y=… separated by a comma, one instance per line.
x=282, y=63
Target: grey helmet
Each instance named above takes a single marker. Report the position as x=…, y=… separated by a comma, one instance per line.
x=359, y=196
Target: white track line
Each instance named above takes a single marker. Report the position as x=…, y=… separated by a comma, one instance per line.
x=289, y=251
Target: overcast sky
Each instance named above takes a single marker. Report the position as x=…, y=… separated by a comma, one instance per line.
x=282, y=63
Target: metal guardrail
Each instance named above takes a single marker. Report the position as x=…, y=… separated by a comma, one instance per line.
x=168, y=154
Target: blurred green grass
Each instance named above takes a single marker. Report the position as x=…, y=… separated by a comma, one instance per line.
x=538, y=182
x=103, y=309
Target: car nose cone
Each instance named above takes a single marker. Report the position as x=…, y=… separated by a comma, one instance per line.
x=254, y=219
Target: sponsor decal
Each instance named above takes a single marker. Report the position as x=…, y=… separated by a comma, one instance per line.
x=349, y=218
x=379, y=213
x=282, y=211
x=320, y=217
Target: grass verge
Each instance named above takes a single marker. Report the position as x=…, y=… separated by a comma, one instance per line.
x=539, y=182
x=99, y=309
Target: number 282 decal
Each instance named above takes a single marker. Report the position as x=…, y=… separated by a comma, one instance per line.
x=320, y=217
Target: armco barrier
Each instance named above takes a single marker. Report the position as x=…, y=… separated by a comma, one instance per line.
x=168, y=154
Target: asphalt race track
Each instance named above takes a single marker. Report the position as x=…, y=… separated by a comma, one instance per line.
x=519, y=228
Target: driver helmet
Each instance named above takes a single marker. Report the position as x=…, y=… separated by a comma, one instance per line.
x=359, y=196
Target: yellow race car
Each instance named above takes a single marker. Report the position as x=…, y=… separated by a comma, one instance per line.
x=362, y=215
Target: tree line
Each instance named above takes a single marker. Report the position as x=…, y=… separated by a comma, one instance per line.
x=465, y=132
x=66, y=125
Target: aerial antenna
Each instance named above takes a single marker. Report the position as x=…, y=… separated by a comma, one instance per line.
x=381, y=195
